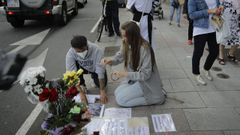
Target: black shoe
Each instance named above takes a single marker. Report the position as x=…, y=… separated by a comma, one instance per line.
x=119, y=34
x=110, y=34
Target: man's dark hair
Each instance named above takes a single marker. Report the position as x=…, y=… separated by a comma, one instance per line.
x=79, y=41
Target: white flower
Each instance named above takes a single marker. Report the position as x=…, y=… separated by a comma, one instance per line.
x=28, y=88
x=30, y=75
x=33, y=81
x=38, y=89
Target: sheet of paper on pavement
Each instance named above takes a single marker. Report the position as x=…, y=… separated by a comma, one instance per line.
x=94, y=125
x=163, y=123
x=119, y=126
x=138, y=126
x=118, y=113
x=91, y=98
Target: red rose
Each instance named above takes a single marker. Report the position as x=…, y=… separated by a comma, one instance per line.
x=53, y=95
x=71, y=92
x=50, y=94
x=44, y=95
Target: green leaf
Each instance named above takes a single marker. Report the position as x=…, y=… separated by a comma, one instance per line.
x=75, y=110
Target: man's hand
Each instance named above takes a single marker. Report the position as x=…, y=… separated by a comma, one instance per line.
x=103, y=97
x=83, y=97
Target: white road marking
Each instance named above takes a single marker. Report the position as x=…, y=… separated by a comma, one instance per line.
x=34, y=39
x=38, y=61
x=29, y=121
x=17, y=49
x=96, y=25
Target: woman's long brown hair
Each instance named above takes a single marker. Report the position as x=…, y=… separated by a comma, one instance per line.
x=135, y=40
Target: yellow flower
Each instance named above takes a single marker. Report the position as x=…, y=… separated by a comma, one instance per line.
x=79, y=72
x=66, y=75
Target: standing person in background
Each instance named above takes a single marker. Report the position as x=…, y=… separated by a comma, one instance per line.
x=190, y=22
x=141, y=10
x=231, y=16
x=201, y=11
x=176, y=5
x=87, y=56
x=142, y=83
x=112, y=14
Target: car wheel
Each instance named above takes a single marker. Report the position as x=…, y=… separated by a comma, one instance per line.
x=17, y=23
x=80, y=5
x=75, y=10
x=64, y=16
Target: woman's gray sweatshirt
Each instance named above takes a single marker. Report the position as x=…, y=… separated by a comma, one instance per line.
x=149, y=79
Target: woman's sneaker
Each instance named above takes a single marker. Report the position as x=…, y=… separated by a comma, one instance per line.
x=199, y=80
x=207, y=75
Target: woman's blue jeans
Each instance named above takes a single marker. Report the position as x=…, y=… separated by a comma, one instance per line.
x=130, y=95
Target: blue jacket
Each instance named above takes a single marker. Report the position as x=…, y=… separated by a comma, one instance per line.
x=198, y=12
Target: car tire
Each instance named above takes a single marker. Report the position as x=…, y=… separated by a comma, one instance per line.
x=80, y=5
x=63, y=16
x=75, y=10
x=17, y=23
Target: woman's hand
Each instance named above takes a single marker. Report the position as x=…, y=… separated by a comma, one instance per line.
x=119, y=74
x=216, y=11
x=106, y=61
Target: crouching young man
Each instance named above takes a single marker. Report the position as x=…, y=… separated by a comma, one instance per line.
x=86, y=55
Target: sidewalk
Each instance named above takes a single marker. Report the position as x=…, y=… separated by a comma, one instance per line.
x=213, y=109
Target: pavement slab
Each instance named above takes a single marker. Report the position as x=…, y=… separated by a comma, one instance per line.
x=232, y=132
x=180, y=85
x=213, y=119
x=221, y=99
x=183, y=100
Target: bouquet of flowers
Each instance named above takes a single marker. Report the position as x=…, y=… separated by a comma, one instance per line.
x=56, y=97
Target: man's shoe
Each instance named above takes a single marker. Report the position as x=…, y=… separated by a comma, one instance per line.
x=207, y=74
x=170, y=23
x=118, y=34
x=199, y=80
x=179, y=25
x=110, y=34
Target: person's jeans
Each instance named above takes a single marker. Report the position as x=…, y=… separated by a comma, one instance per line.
x=130, y=95
x=178, y=12
x=199, y=44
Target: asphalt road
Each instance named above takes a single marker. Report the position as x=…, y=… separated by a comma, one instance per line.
x=14, y=107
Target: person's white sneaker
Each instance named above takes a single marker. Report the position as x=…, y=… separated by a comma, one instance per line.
x=207, y=75
x=200, y=80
